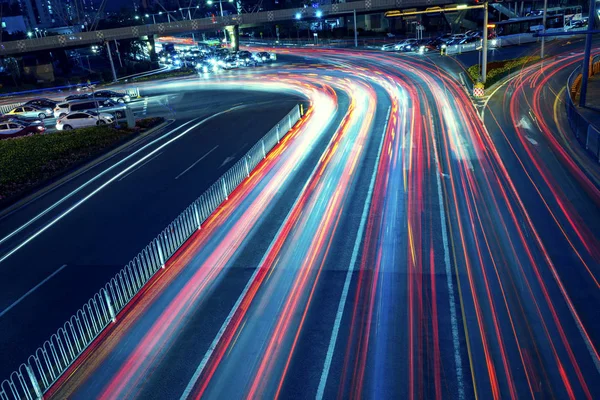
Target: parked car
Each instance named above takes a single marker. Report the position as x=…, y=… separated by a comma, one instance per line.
x=79, y=96
x=11, y=129
x=408, y=45
x=103, y=105
x=470, y=39
x=229, y=62
x=112, y=95
x=31, y=112
x=41, y=103
x=83, y=119
x=245, y=58
x=263, y=56
x=388, y=47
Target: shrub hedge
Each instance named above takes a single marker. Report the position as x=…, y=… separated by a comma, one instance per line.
x=28, y=161
x=499, y=69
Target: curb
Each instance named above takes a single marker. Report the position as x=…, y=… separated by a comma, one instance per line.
x=80, y=170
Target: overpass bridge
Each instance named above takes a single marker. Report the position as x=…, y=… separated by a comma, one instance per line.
x=18, y=47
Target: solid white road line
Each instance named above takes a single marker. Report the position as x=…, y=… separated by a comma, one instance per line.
x=139, y=166
x=190, y=386
x=141, y=160
x=81, y=187
x=450, y=285
x=355, y=251
x=7, y=309
x=197, y=161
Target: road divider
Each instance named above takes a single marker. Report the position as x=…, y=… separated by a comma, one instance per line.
x=42, y=369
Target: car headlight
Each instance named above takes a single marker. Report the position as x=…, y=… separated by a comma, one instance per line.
x=163, y=59
x=48, y=111
x=444, y=46
x=40, y=128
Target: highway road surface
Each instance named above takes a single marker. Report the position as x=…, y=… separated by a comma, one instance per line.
x=392, y=246
x=58, y=249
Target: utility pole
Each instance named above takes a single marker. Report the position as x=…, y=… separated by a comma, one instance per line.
x=355, y=31
x=118, y=53
x=112, y=65
x=485, y=43
x=585, y=70
x=544, y=29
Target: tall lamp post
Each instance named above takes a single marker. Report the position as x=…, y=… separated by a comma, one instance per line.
x=210, y=3
x=188, y=10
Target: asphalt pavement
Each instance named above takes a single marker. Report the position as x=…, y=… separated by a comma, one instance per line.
x=394, y=245
x=60, y=248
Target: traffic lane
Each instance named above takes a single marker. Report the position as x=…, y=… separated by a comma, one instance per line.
x=568, y=219
x=228, y=244
x=510, y=278
x=208, y=105
x=105, y=240
x=305, y=249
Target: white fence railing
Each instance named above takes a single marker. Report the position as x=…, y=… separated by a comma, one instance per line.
x=34, y=377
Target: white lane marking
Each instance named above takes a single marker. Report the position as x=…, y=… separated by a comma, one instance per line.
x=60, y=216
x=197, y=161
x=139, y=166
x=355, y=251
x=7, y=309
x=227, y=160
x=56, y=204
x=190, y=386
x=450, y=285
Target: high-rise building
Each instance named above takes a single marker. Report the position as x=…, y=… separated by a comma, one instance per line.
x=43, y=14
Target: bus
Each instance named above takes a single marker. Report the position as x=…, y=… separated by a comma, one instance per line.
x=521, y=29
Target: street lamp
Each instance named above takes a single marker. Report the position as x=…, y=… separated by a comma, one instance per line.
x=319, y=13
x=29, y=34
x=298, y=16
x=210, y=3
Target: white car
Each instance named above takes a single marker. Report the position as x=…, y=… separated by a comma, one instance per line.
x=83, y=119
x=30, y=112
x=388, y=47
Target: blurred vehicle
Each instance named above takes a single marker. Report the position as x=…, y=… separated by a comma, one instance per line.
x=228, y=62
x=245, y=58
x=263, y=56
x=80, y=96
x=104, y=105
x=19, y=119
x=31, y=112
x=83, y=119
x=15, y=129
x=427, y=45
x=473, y=33
x=41, y=103
x=205, y=66
x=470, y=39
x=112, y=95
x=388, y=47
x=408, y=45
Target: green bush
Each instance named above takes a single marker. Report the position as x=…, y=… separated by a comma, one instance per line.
x=500, y=69
x=28, y=161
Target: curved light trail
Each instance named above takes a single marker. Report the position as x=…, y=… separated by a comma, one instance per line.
x=410, y=253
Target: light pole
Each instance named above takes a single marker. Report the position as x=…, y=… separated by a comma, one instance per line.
x=544, y=29
x=484, y=56
x=188, y=10
x=211, y=2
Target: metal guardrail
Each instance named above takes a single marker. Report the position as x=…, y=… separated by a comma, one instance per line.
x=586, y=133
x=42, y=369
